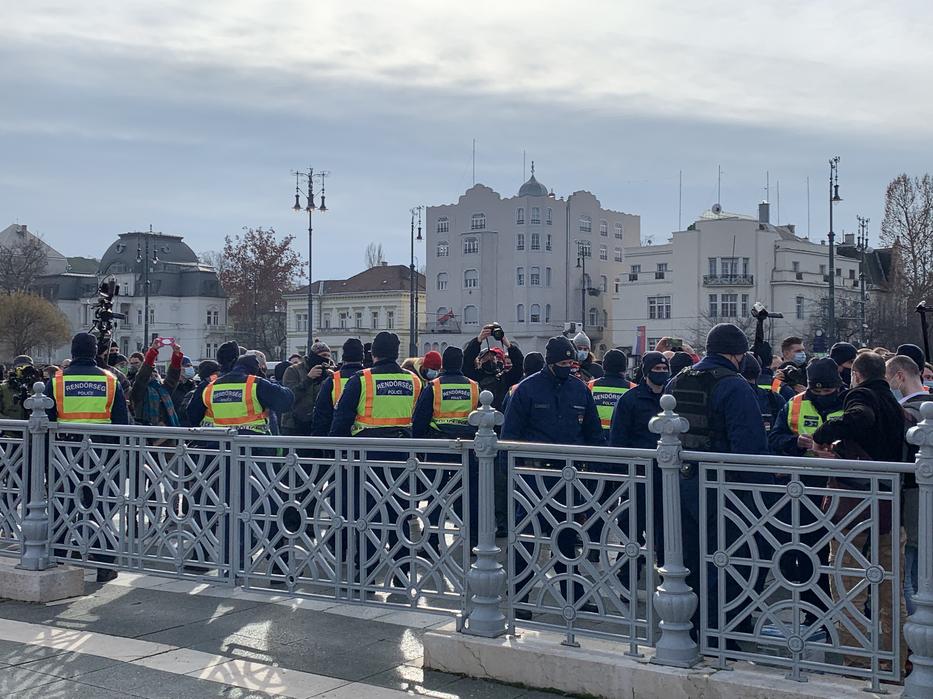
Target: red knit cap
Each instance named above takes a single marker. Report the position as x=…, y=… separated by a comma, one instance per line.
x=432, y=360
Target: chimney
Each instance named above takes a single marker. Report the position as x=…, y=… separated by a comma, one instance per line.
x=792, y=227
x=764, y=212
x=385, y=264
x=848, y=239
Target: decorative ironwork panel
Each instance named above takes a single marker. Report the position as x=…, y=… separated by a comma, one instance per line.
x=581, y=544
x=14, y=480
x=801, y=569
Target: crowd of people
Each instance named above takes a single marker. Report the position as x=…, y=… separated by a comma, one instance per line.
x=740, y=399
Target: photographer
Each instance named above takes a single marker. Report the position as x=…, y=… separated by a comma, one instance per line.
x=304, y=379
x=150, y=396
x=17, y=387
x=486, y=365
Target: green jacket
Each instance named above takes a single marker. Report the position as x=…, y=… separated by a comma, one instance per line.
x=10, y=406
x=298, y=420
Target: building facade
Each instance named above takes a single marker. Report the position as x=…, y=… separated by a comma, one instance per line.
x=532, y=262
x=360, y=306
x=719, y=267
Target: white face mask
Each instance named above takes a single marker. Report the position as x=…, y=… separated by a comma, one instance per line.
x=928, y=383
x=188, y=372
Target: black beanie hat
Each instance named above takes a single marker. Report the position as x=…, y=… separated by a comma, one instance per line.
x=385, y=345
x=680, y=361
x=615, y=362
x=651, y=360
x=452, y=359
x=532, y=363
x=750, y=368
x=353, y=350
x=250, y=362
x=823, y=373
x=843, y=352
x=116, y=358
x=227, y=354
x=726, y=338
x=83, y=346
x=208, y=368
x=914, y=353
x=558, y=349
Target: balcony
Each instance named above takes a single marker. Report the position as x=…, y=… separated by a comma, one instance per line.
x=728, y=280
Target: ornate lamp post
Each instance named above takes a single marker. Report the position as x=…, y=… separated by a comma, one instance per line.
x=310, y=207
x=834, y=199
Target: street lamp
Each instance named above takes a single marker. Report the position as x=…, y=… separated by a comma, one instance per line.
x=310, y=207
x=147, y=261
x=412, y=287
x=834, y=199
x=582, y=254
x=862, y=247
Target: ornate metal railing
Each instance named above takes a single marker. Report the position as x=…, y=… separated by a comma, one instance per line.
x=797, y=560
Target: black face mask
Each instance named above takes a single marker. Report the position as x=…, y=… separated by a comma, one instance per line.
x=825, y=402
x=846, y=375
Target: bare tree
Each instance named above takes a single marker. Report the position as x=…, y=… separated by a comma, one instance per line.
x=374, y=255
x=214, y=258
x=29, y=322
x=704, y=323
x=908, y=226
x=21, y=263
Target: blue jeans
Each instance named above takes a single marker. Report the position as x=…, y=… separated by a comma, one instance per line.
x=910, y=577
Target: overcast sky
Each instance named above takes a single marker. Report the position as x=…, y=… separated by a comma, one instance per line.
x=190, y=115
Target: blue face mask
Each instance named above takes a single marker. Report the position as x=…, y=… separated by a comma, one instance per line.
x=432, y=373
x=897, y=394
x=561, y=372
x=928, y=384
x=582, y=355
x=659, y=378
x=800, y=358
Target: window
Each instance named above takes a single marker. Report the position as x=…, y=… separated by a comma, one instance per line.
x=441, y=281
x=470, y=246
x=586, y=224
x=520, y=241
x=478, y=222
x=534, y=277
x=390, y=320
x=713, y=266
x=745, y=262
x=547, y=276
x=535, y=314
x=617, y=254
x=375, y=316
x=823, y=270
x=838, y=271
x=605, y=318
x=520, y=215
x=618, y=231
x=603, y=282
x=617, y=284
x=584, y=248
x=547, y=240
x=359, y=319
x=633, y=275
x=327, y=321
x=443, y=225
x=301, y=321
x=535, y=241
x=659, y=307
x=343, y=320
x=730, y=266
x=443, y=248
x=603, y=252
x=151, y=316
x=799, y=306
x=213, y=317
x=519, y=276
x=851, y=274
x=729, y=305
x=661, y=270
x=470, y=315
x=744, y=312
x=593, y=316
x=547, y=310
x=604, y=228
x=520, y=313
x=795, y=266
x=713, y=306
x=536, y=214
x=139, y=316
x=427, y=347
x=470, y=279
x=547, y=219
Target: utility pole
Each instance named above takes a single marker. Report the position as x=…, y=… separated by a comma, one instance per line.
x=310, y=207
x=834, y=199
x=862, y=248
x=413, y=287
x=142, y=257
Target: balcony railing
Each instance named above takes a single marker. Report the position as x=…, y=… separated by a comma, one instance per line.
x=728, y=280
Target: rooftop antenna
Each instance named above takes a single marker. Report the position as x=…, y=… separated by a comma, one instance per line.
x=767, y=186
x=719, y=184
x=779, y=202
x=680, y=201
x=523, y=165
x=808, y=207
x=474, y=161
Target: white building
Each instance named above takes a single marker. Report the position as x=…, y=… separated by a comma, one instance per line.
x=718, y=268
x=515, y=260
x=361, y=306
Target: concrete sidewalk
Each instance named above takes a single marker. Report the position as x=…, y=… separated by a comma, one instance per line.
x=142, y=636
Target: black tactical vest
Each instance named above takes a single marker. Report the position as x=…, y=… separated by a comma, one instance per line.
x=693, y=390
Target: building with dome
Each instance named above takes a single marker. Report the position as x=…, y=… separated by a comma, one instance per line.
x=515, y=260
x=186, y=301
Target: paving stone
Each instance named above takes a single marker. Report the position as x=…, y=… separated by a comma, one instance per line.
x=67, y=689
x=16, y=679
x=148, y=683
x=69, y=665
x=12, y=653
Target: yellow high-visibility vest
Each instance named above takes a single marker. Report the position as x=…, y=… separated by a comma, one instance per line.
x=236, y=404
x=337, y=389
x=606, y=398
x=803, y=418
x=84, y=398
x=386, y=400
x=453, y=402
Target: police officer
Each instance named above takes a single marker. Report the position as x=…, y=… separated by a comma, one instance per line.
x=792, y=434
x=629, y=427
x=532, y=364
x=17, y=387
x=769, y=401
x=332, y=387
x=611, y=387
x=85, y=393
x=378, y=402
x=445, y=402
x=724, y=417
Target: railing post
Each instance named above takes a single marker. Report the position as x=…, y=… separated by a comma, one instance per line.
x=486, y=579
x=35, y=551
x=919, y=628
x=674, y=601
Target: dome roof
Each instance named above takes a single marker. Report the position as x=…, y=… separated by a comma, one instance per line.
x=121, y=255
x=533, y=188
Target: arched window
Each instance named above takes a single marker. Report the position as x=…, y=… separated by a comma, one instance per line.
x=593, y=316
x=519, y=276
x=470, y=315
x=535, y=314
x=441, y=281
x=535, y=241
x=443, y=346
x=470, y=246
x=603, y=282
x=618, y=229
x=605, y=318
x=435, y=346
x=470, y=279
x=427, y=347
x=443, y=315
x=547, y=218
x=586, y=224
x=547, y=313
x=443, y=248
x=534, y=277
x=520, y=215
x=478, y=222
x=604, y=228
x=520, y=313
x=443, y=225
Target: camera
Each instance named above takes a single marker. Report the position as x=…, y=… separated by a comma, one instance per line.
x=496, y=331
x=21, y=380
x=104, y=315
x=759, y=312
x=794, y=375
